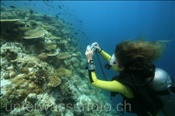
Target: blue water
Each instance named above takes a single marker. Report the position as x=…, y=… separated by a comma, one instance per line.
x=110, y=22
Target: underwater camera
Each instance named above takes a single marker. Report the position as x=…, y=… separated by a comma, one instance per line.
x=93, y=48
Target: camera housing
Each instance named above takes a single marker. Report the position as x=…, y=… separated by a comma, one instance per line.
x=93, y=47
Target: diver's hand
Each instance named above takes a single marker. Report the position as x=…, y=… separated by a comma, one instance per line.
x=89, y=53
x=96, y=46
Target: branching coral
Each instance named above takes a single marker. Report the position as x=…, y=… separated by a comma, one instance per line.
x=50, y=47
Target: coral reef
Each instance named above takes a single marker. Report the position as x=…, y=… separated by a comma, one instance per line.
x=9, y=28
x=41, y=70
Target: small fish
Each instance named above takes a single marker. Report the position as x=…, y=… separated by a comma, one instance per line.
x=79, y=20
x=57, y=16
x=83, y=33
x=59, y=6
x=31, y=11
x=12, y=7
x=2, y=4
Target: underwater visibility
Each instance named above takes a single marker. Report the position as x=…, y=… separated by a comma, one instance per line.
x=65, y=58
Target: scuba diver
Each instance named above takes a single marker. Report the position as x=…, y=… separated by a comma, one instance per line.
x=149, y=90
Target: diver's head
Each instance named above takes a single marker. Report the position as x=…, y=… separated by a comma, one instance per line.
x=137, y=54
x=113, y=63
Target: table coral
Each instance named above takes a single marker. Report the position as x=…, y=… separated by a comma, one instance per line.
x=34, y=34
x=63, y=72
x=8, y=23
x=54, y=81
x=12, y=28
x=64, y=56
x=42, y=56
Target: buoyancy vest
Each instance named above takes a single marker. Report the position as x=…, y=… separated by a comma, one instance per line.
x=145, y=99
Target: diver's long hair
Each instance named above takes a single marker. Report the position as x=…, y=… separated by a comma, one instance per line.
x=137, y=54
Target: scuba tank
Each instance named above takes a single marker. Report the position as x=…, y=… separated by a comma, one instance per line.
x=163, y=85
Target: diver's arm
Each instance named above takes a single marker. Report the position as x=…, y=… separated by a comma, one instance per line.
x=113, y=86
x=105, y=55
x=109, y=59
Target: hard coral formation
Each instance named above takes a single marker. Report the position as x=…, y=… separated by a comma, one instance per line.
x=18, y=90
x=34, y=34
x=12, y=28
x=42, y=56
x=25, y=70
x=64, y=72
x=64, y=56
x=32, y=98
x=55, y=53
x=54, y=81
x=51, y=49
x=34, y=70
x=9, y=23
x=10, y=55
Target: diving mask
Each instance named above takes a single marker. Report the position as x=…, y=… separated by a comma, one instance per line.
x=112, y=63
